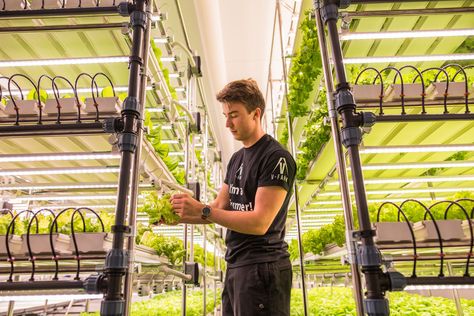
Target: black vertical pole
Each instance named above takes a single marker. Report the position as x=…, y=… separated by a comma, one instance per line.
x=368, y=255
x=116, y=262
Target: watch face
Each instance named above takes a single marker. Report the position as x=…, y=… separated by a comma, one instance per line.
x=206, y=211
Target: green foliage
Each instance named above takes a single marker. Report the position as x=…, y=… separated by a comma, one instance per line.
x=166, y=72
x=331, y=301
x=284, y=136
x=293, y=249
x=159, y=209
x=169, y=247
x=315, y=240
x=459, y=156
x=317, y=134
x=169, y=304
x=107, y=92
x=199, y=256
x=179, y=175
x=33, y=95
x=305, y=68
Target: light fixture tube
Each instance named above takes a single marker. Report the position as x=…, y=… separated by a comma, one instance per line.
x=176, y=153
x=154, y=110
x=174, y=75
x=407, y=34
x=62, y=197
x=439, y=287
x=51, y=171
x=407, y=59
x=59, y=157
x=421, y=165
x=337, y=202
x=169, y=141
x=168, y=59
x=403, y=191
x=415, y=149
x=59, y=297
x=412, y=180
x=66, y=186
x=64, y=61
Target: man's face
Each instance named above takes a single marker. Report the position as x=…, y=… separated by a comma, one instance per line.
x=239, y=121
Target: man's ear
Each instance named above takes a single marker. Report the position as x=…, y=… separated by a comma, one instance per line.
x=258, y=113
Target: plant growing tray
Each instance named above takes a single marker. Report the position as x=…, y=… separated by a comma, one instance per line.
x=25, y=108
x=106, y=105
x=84, y=3
x=412, y=92
x=366, y=93
x=68, y=106
x=48, y=4
x=90, y=242
x=13, y=5
x=390, y=232
x=450, y=229
x=40, y=244
x=14, y=243
x=436, y=90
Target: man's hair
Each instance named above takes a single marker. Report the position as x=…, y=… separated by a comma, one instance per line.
x=245, y=91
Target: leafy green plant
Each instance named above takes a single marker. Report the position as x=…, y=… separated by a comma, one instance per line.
x=305, y=68
x=169, y=247
x=317, y=134
x=166, y=72
x=159, y=209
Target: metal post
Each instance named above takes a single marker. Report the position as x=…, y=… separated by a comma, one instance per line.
x=368, y=255
x=205, y=200
x=11, y=308
x=132, y=214
x=293, y=153
x=457, y=301
x=116, y=262
x=341, y=168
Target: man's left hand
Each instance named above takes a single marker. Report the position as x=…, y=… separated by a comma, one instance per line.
x=186, y=207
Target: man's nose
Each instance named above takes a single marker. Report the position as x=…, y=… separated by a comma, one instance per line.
x=228, y=123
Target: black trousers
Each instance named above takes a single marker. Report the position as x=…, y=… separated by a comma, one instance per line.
x=258, y=289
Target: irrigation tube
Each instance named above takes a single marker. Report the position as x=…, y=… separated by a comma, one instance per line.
x=132, y=212
x=293, y=153
x=341, y=168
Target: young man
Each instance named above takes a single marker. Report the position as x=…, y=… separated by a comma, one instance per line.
x=253, y=205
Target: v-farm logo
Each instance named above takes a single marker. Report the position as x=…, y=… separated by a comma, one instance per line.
x=238, y=174
x=282, y=170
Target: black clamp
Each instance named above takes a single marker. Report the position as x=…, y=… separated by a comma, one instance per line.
x=112, y=125
x=351, y=136
x=131, y=104
x=344, y=98
x=121, y=229
x=112, y=308
x=117, y=259
x=128, y=142
x=197, y=69
x=138, y=18
x=192, y=269
x=358, y=234
x=136, y=59
x=376, y=306
x=329, y=12
x=124, y=8
x=196, y=127
x=196, y=188
x=95, y=284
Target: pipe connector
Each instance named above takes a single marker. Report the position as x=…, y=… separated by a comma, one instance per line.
x=398, y=281
x=376, y=307
x=128, y=142
x=138, y=18
x=369, y=255
x=351, y=136
x=117, y=259
x=95, y=284
x=131, y=105
x=112, y=308
x=344, y=99
x=329, y=12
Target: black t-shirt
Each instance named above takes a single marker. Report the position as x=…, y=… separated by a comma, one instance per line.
x=265, y=163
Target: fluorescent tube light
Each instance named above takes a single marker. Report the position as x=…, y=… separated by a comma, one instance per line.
x=66, y=186
x=414, y=149
x=407, y=34
x=412, y=180
x=166, y=127
x=64, y=61
x=337, y=202
x=51, y=171
x=59, y=157
x=169, y=141
x=175, y=75
x=162, y=40
x=63, y=206
x=179, y=89
x=439, y=287
x=71, y=91
x=181, y=163
x=63, y=197
x=421, y=165
x=168, y=59
x=62, y=297
x=407, y=59
x=321, y=210
x=155, y=110
x=183, y=102
x=403, y=191
x=316, y=216
x=176, y=153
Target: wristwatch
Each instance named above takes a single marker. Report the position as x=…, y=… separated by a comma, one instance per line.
x=205, y=212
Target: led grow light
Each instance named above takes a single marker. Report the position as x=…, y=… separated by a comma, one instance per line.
x=66, y=186
x=422, y=165
x=155, y=110
x=51, y=171
x=176, y=153
x=404, y=191
x=407, y=34
x=64, y=61
x=407, y=59
x=59, y=297
x=337, y=202
x=415, y=149
x=168, y=59
x=58, y=157
x=169, y=141
x=412, y=180
x=439, y=287
x=63, y=197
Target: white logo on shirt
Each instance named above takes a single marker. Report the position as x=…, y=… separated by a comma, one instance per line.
x=238, y=174
x=282, y=168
